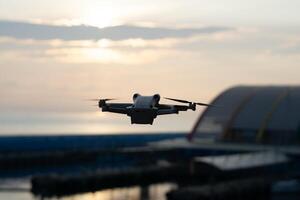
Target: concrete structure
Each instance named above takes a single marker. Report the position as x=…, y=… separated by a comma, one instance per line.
x=253, y=114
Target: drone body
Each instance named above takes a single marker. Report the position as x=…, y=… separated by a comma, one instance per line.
x=145, y=109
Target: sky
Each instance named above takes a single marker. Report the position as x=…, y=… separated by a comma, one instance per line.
x=56, y=54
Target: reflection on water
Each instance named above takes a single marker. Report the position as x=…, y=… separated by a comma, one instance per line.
x=10, y=195
x=153, y=192
x=20, y=190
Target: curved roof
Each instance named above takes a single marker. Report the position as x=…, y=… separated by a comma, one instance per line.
x=264, y=114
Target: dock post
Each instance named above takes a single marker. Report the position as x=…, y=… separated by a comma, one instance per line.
x=144, y=194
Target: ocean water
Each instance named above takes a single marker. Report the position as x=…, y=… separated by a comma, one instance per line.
x=15, y=183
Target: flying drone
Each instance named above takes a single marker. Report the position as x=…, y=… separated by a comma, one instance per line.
x=145, y=109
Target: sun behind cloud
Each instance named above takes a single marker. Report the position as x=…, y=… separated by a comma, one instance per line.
x=101, y=16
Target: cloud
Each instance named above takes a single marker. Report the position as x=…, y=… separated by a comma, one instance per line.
x=24, y=30
x=85, y=44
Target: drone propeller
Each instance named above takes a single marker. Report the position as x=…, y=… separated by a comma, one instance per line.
x=203, y=104
x=189, y=102
x=178, y=100
x=101, y=99
x=101, y=102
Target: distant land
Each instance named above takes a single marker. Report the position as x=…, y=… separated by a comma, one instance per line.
x=39, y=143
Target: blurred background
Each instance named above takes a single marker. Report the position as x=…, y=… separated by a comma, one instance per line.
x=53, y=57
x=56, y=54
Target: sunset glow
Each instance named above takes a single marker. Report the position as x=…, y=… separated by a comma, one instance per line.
x=101, y=16
x=93, y=49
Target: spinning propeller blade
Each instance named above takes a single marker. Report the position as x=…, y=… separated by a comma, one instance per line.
x=178, y=100
x=189, y=102
x=203, y=104
x=100, y=99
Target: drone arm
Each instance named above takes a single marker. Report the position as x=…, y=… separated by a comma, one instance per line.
x=181, y=108
x=115, y=108
x=171, y=109
x=167, y=111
